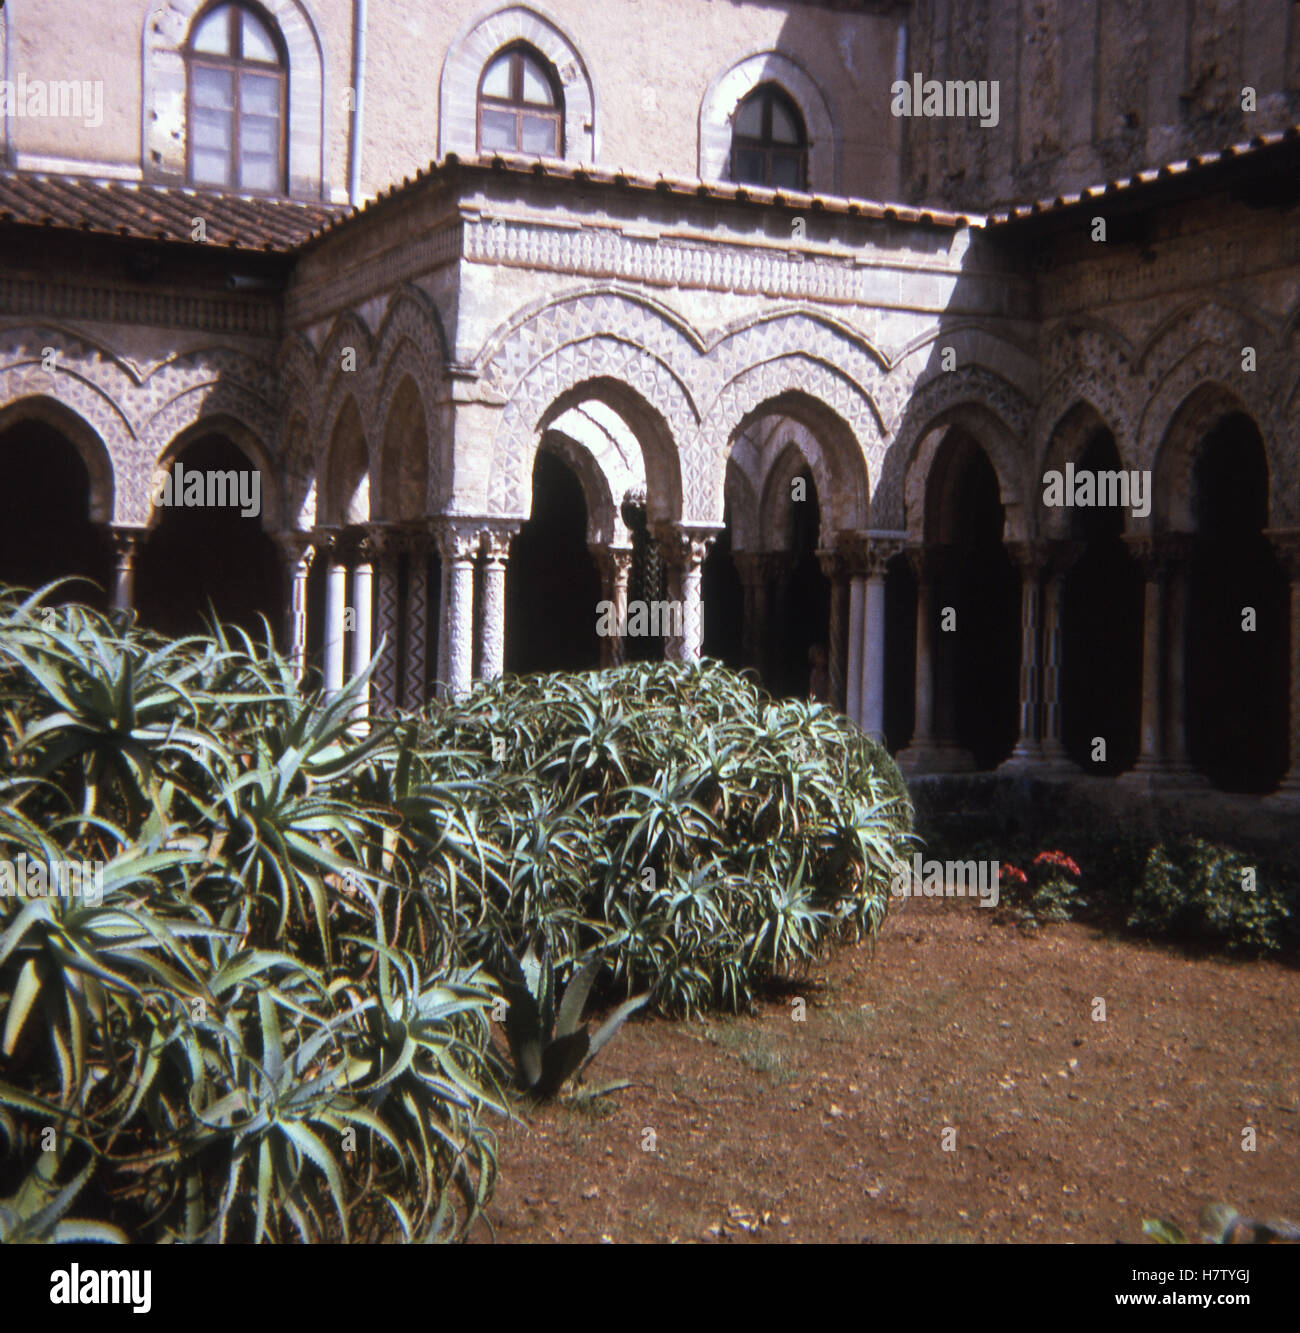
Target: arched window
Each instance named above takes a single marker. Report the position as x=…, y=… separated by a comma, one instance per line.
x=238, y=85
x=519, y=106
x=769, y=145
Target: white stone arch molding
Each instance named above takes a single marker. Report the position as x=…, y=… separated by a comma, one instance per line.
x=163, y=104
x=656, y=404
x=801, y=385
x=477, y=42
x=726, y=92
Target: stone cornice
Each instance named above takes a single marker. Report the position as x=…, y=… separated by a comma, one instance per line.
x=111, y=304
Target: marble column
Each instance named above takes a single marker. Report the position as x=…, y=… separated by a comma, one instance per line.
x=492, y=631
x=857, y=614
x=1287, y=546
x=1177, y=549
x=933, y=748
x=363, y=578
x=298, y=553
x=1030, y=558
x=126, y=547
x=1060, y=560
x=872, y=687
x=336, y=605
x=458, y=543
x=924, y=566
x=1153, y=562
x=415, y=679
x=685, y=547
x=385, y=550
x=615, y=566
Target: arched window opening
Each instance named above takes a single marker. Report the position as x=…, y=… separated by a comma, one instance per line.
x=769, y=144
x=238, y=89
x=520, y=109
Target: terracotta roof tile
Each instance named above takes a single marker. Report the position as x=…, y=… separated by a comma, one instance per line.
x=668, y=186
x=1151, y=176
x=158, y=212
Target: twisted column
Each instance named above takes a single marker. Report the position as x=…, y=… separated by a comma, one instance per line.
x=384, y=547
x=684, y=550
x=414, y=685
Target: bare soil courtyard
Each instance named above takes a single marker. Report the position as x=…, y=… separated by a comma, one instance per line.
x=1067, y=1129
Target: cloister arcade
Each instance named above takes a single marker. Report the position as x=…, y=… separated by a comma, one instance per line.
x=457, y=487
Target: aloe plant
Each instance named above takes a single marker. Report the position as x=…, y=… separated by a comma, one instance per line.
x=548, y=1045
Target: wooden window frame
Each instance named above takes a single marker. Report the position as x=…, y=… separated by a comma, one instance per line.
x=771, y=93
x=515, y=104
x=237, y=65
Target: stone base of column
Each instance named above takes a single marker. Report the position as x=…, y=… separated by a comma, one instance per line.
x=1028, y=755
x=935, y=757
x=1288, y=794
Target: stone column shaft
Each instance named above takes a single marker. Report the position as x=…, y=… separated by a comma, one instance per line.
x=336, y=601
x=857, y=614
x=492, y=642
x=126, y=544
x=458, y=543
x=363, y=623
x=417, y=620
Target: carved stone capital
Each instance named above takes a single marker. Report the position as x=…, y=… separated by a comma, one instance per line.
x=458, y=538
x=685, y=545
x=497, y=537
x=614, y=562
x=926, y=562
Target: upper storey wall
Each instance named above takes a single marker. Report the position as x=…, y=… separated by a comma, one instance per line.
x=649, y=85
x=1091, y=90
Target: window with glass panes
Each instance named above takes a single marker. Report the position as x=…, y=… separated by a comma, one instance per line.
x=519, y=108
x=237, y=97
x=768, y=144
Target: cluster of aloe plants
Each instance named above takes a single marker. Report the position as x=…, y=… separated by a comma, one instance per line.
x=253, y=1031
x=275, y=1021
x=699, y=836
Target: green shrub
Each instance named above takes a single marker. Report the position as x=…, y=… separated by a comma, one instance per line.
x=1197, y=890
x=673, y=818
x=229, y=1039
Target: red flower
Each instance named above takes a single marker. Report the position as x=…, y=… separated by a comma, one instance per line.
x=1058, y=859
x=1012, y=872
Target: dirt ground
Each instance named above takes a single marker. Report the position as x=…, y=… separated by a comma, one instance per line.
x=833, y=1129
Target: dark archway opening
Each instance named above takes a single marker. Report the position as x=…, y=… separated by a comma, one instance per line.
x=802, y=623
x=552, y=586
x=1101, y=633
x=977, y=661
x=1236, y=677
x=205, y=558
x=724, y=601
x=45, y=527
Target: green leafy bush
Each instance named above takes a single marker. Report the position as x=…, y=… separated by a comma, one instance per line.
x=1048, y=892
x=1200, y=891
x=672, y=818
x=229, y=1038
x=272, y=1019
